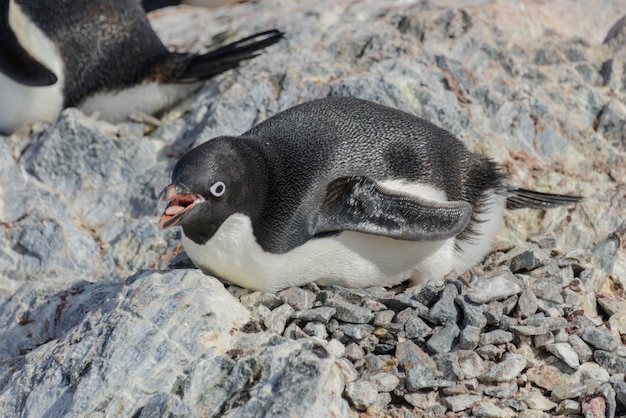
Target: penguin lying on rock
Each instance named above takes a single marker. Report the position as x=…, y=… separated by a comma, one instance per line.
x=100, y=56
x=339, y=191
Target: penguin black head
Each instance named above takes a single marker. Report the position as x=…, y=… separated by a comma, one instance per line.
x=210, y=183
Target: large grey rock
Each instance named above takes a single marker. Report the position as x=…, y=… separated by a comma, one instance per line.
x=164, y=337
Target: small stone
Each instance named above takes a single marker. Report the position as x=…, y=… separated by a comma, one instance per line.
x=299, y=298
x=599, y=338
x=495, y=288
x=508, y=369
x=470, y=364
x=373, y=305
x=473, y=313
x=506, y=322
x=427, y=294
x=565, y=352
x=528, y=330
x=527, y=304
x=611, y=362
x=567, y=390
x=382, y=400
x=533, y=413
x=524, y=262
x=448, y=366
x=444, y=310
x=254, y=299
x=496, y=337
x=516, y=404
x=416, y=363
x=535, y=400
x=488, y=409
x=551, y=309
x=354, y=352
x=548, y=323
x=561, y=336
x=422, y=401
x=488, y=352
x=260, y=312
x=593, y=372
x=509, y=304
x=384, y=382
x=502, y=390
x=470, y=337
x=346, y=370
x=416, y=328
x=369, y=343
x=404, y=315
x=400, y=302
x=443, y=339
x=568, y=407
x=493, y=312
x=361, y=394
x=348, y=312
x=548, y=291
x=543, y=339
x=609, y=304
x=293, y=332
x=544, y=376
x=321, y=314
x=335, y=348
x=582, y=350
x=383, y=318
x=356, y=331
x=277, y=319
x=459, y=403
x=316, y=329
x=619, y=386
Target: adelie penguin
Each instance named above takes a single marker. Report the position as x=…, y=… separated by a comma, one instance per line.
x=101, y=56
x=339, y=191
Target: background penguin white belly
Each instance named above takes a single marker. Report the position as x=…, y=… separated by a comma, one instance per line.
x=339, y=191
x=21, y=103
x=100, y=56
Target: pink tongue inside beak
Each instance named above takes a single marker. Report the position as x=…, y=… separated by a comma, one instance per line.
x=177, y=205
x=174, y=210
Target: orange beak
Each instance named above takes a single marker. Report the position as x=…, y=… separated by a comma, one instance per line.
x=178, y=205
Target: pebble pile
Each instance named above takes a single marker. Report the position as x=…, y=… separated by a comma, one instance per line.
x=517, y=336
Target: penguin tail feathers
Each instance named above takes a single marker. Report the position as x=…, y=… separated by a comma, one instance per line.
x=202, y=67
x=522, y=198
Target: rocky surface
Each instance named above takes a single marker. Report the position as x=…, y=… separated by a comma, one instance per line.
x=100, y=315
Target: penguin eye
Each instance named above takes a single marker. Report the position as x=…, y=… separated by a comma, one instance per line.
x=218, y=189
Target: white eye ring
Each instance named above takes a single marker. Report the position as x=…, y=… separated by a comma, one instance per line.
x=218, y=189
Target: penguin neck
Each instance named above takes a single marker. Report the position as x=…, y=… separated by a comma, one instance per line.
x=248, y=197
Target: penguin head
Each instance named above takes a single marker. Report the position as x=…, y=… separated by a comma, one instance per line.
x=210, y=183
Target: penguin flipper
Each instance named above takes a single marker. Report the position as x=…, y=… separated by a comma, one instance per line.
x=15, y=62
x=522, y=198
x=360, y=204
x=202, y=67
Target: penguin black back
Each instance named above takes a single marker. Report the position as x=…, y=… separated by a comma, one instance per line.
x=342, y=136
x=105, y=43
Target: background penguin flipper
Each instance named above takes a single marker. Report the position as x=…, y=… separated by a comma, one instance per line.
x=15, y=61
x=149, y=5
x=360, y=204
x=522, y=198
x=228, y=56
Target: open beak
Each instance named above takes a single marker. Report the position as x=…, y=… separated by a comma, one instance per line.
x=180, y=202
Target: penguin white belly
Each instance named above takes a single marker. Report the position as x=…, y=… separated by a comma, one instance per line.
x=20, y=104
x=349, y=259
x=148, y=98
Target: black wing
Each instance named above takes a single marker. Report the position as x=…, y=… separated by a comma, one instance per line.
x=360, y=204
x=15, y=62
